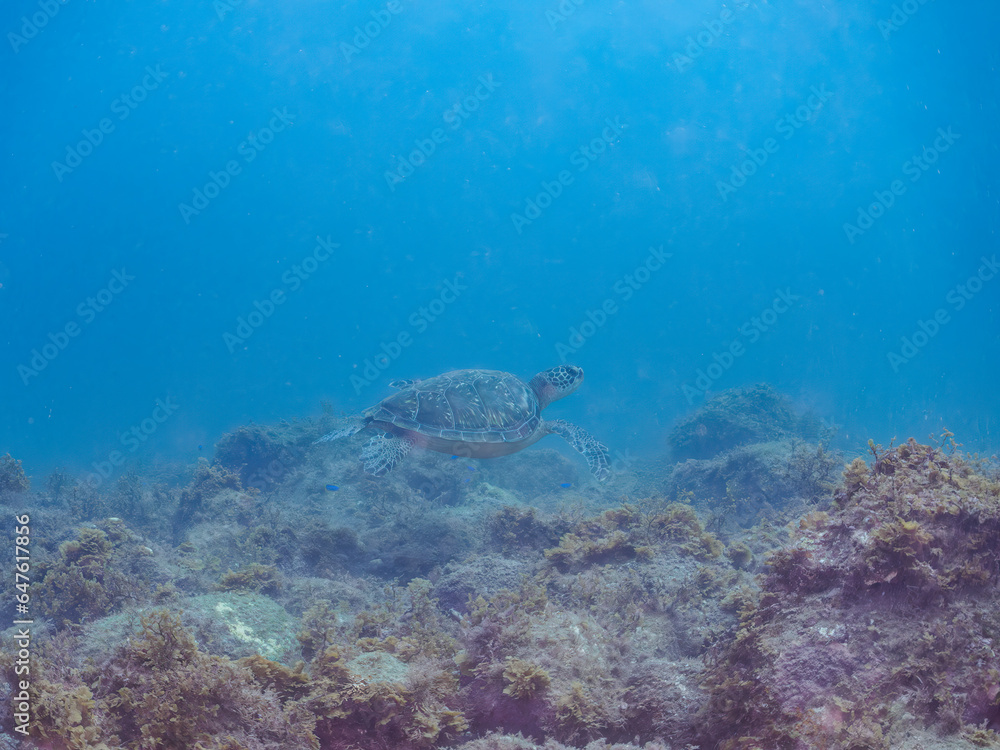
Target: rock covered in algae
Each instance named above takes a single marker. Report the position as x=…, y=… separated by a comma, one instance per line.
x=878, y=621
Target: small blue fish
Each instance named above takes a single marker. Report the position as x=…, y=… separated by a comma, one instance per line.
x=471, y=468
x=564, y=485
x=199, y=447
x=332, y=487
x=454, y=457
x=468, y=479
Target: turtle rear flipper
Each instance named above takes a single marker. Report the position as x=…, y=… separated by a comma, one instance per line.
x=383, y=452
x=585, y=443
x=350, y=427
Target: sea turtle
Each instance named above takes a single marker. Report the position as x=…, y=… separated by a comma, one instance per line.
x=474, y=413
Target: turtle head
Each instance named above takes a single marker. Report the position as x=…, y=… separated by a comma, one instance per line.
x=552, y=385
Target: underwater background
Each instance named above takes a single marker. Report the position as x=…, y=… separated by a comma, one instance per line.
x=690, y=109
x=766, y=231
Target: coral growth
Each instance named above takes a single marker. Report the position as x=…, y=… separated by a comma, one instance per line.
x=324, y=548
x=434, y=608
x=569, y=654
x=92, y=575
x=12, y=476
x=354, y=711
x=576, y=552
x=749, y=481
x=254, y=578
x=494, y=741
x=883, y=607
x=524, y=679
x=512, y=529
x=259, y=455
x=739, y=416
x=628, y=533
x=748, y=454
x=207, y=482
x=160, y=691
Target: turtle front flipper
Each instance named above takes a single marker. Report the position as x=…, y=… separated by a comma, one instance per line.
x=383, y=452
x=582, y=442
x=350, y=427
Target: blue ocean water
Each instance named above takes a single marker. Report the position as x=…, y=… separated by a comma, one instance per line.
x=221, y=212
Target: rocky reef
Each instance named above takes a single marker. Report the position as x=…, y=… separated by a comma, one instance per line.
x=878, y=621
x=277, y=597
x=741, y=416
x=749, y=453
